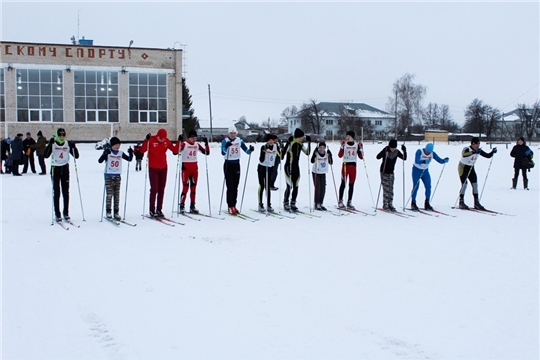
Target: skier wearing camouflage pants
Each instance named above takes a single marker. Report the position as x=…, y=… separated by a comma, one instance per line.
x=389, y=155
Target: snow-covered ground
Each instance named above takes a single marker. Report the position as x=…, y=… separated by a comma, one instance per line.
x=351, y=287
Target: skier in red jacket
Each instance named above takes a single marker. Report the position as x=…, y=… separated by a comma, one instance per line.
x=157, y=147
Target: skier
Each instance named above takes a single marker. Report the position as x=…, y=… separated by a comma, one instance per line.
x=113, y=171
x=138, y=156
x=390, y=154
x=349, y=151
x=230, y=149
x=59, y=149
x=420, y=171
x=521, y=154
x=267, y=158
x=40, y=147
x=190, y=171
x=157, y=147
x=293, y=149
x=469, y=155
x=320, y=159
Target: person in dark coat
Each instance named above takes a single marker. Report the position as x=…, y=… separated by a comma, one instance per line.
x=39, y=147
x=28, y=153
x=17, y=149
x=521, y=152
x=5, y=151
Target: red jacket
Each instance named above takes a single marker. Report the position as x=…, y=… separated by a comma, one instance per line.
x=157, y=155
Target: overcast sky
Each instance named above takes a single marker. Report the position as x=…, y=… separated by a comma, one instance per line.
x=260, y=58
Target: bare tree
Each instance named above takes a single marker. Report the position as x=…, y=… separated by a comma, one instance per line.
x=530, y=119
x=311, y=117
x=492, y=118
x=474, y=117
x=286, y=113
x=431, y=116
x=446, y=121
x=348, y=120
x=407, y=102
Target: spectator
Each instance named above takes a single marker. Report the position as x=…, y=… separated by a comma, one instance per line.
x=39, y=147
x=29, y=153
x=17, y=149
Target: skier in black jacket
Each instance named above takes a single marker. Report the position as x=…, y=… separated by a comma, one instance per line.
x=521, y=152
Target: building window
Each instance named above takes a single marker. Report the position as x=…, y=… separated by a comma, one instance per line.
x=329, y=122
x=330, y=134
x=147, y=98
x=369, y=122
x=40, y=95
x=2, y=97
x=378, y=122
x=96, y=96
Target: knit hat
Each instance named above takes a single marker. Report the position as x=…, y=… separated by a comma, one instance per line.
x=114, y=140
x=350, y=133
x=162, y=133
x=191, y=133
x=39, y=133
x=232, y=129
x=8, y=139
x=322, y=143
x=269, y=137
x=61, y=131
x=28, y=133
x=475, y=140
x=392, y=144
x=429, y=147
x=298, y=133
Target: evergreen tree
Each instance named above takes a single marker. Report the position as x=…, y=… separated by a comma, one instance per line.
x=192, y=122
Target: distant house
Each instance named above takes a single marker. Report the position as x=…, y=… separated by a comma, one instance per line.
x=331, y=112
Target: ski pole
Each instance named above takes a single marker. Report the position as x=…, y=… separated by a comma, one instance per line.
x=465, y=182
x=52, y=192
x=403, y=177
x=335, y=188
x=78, y=186
x=127, y=181
x=380, y=185
x=267, y=190
x=309, y=187
x=103, y=199
x=207, y=178
x=174, y=188
x=245, y=182
x=145, y=178
x=433, y=194
x=485, y=180
x=369, y=185
x=224, y=178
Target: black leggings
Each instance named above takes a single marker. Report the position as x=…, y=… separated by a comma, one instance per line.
x=523, y=172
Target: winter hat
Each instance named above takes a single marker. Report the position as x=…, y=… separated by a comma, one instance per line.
x=232, y=129
x=475, y=140
x=191, y=133
x=269, y=137
x=298, y=133
x=429, y=147
x=19, y=135
x=8, y=139
x=28, y=133
x=322, y=143
x=350, y=133
x=114, y=140
x=162, y=133
x=392, y=144
x=39, y=133
x=522, y=139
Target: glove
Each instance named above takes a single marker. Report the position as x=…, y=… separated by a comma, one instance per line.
x=72, y=144
x=446, y=160
x=528, y=152
x=227, y=144
x=180, y=137
x=106, y=151
x=308, y=138
x=130, y=151
x=342, y=143
x=427, y=161
x=148, y=136
x=251, y=148
x=477, y=151
x=387, y=149
x=403, y=148
x=494, y=150
x=51, y=141
x=329, y=152
x=205, y=139
x=291, y=139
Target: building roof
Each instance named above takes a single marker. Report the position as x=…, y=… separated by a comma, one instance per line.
x=358, y=109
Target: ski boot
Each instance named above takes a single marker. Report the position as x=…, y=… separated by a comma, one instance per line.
x=293, y=206
x=427, y=206
x=462, y=204
x=182, y=208
x=193, y=209
x=341, y=205
x=514, y=183
x=58, y=218
x=159, y=214
x=152, y=214
x=286, y=206
x=66, y=217
x=273, y=188
x=231, y=210
x=350, y=206
x=108, y=215
x=477, y=204
x=385, y=207
x=414, y=207
x=261, y=207
x=269, y=208
x=526, y=184
x=391, y=207
x=117, y=217
x=323, y=208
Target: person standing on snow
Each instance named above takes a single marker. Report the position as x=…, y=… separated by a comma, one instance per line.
x=390, y=154
x=320, y=159
x=350, y=151
x=113, y=171
x=39, y=148
x=59, y=150
x=469, y=155
x=420, y=171
x=190, y=171
x=138, y=156
x=157, y=147
x=293, y=149
x=230, y=149
x=521, y=152
x=17, y=150
x=267, y=158
x=29, y=153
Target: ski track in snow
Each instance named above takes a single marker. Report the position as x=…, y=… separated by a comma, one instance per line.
x=100, y=332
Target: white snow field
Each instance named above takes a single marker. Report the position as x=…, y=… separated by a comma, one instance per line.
x=350, y=287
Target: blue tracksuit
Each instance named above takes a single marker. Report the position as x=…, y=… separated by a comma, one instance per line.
x=420, y=171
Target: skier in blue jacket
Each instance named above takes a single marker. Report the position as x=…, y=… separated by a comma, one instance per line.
x=420, y=171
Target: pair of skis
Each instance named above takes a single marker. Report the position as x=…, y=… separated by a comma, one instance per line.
x=165, y=220
x=119, y=222
x=484, y=211
x=66, y=227
x=195, y=216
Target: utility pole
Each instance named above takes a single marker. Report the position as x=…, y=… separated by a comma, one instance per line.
x=210, y=105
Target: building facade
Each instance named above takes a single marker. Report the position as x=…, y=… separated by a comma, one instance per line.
x=92, y=91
